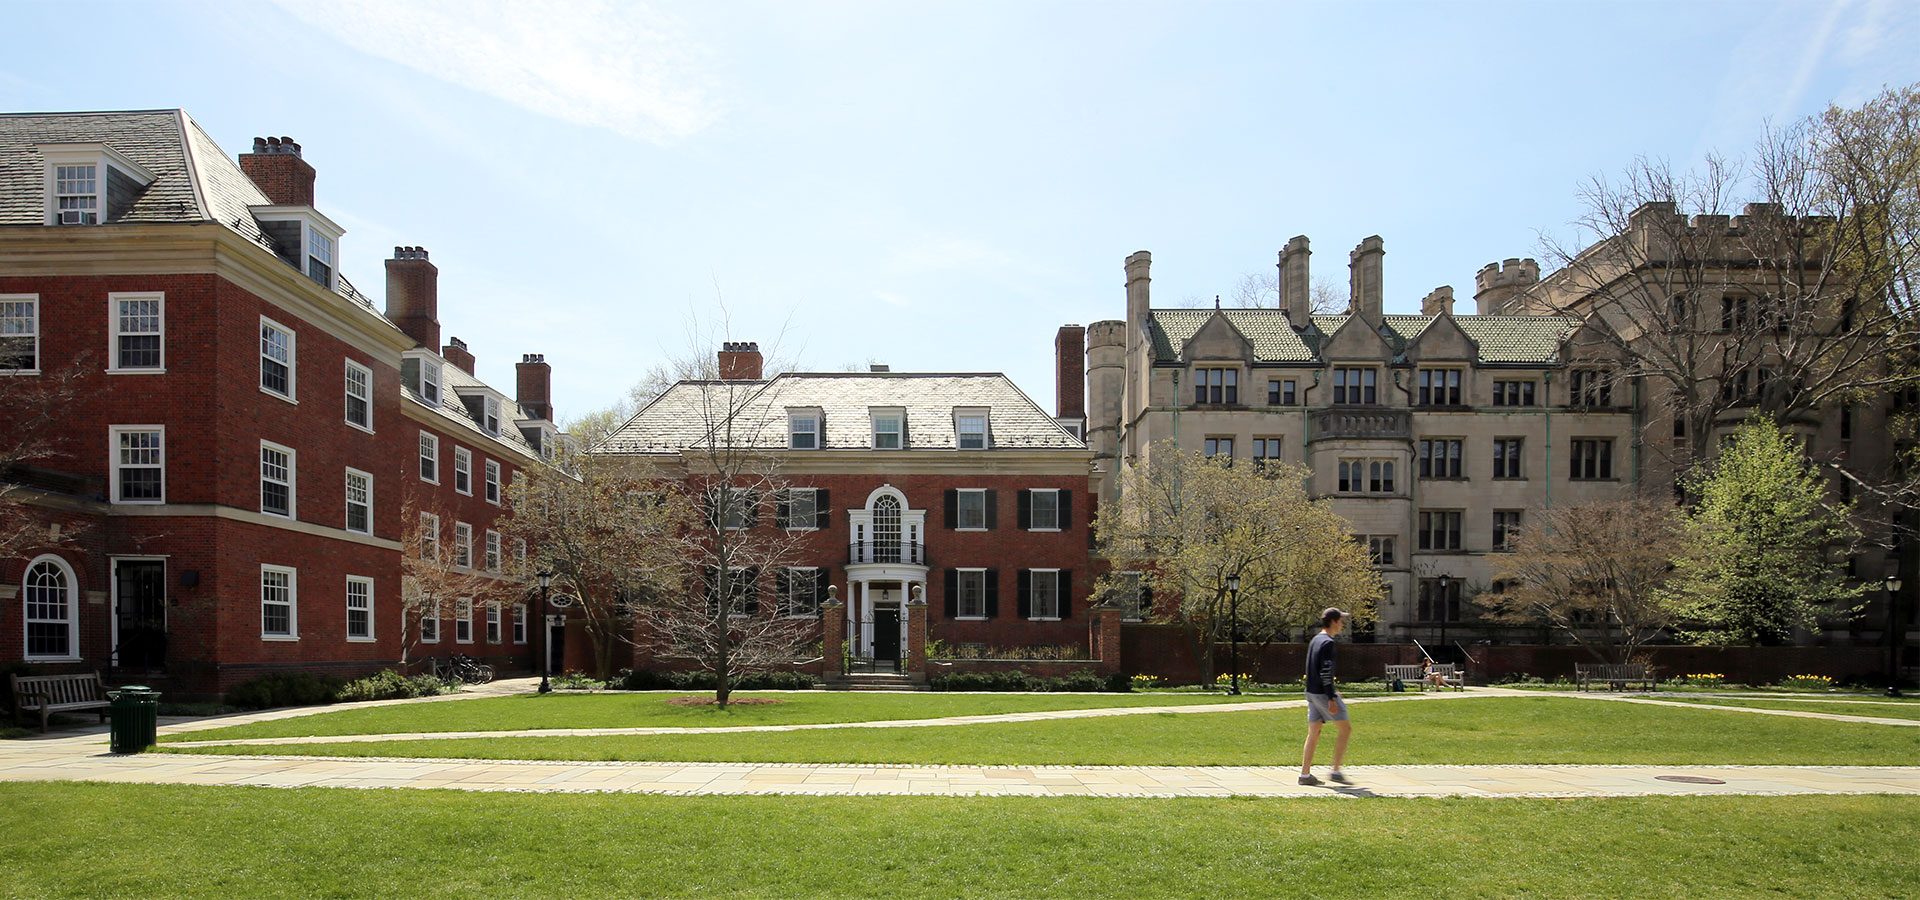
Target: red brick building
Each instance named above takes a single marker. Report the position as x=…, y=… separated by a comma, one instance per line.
x=248, y=426
x=956, y=486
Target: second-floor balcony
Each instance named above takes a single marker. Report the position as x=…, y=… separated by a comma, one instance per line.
x=883, y=552
x=1360, y=423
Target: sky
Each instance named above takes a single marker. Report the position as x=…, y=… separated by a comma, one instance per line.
x=939, y=186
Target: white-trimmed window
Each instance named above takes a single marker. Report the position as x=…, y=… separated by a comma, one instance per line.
x=139, y=323
x=76, y=194
x=970, y=594
x=1044, y=513
x=490, y=409
x=1043, y=594
x=320, y=250
x=50, y=593
x=493, y=550
x=276, y=479
x=20, y=333
x=139, y=463
x=799, y=508
x=462, y=545
x=970, y=429
x=430, y=381
x=803, y=430
x=519, y=623
x=800, y=592
x=279, y=603
x=463, y=470
x=970, y=509
x=463, y=621
x=429, y=536
x=430, y=624
x=359, y=502
x=493, y=623
x=276, y=358
x=429, y=457
x=359, y=396
x=359, y=608
x=889, y=429
x=1131, y=595
x=493, y=482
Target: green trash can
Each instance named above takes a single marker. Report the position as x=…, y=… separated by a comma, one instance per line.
x=133, y=717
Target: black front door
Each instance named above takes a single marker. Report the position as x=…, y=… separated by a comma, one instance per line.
x=886, y=634
x=557, y=639
x=140, y=614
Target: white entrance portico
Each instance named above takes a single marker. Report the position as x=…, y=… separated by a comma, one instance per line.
x=886, y=560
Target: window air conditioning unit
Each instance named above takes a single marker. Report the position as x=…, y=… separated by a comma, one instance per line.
x=73, y=217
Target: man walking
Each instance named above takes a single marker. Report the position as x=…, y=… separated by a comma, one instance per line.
x=1323, y=699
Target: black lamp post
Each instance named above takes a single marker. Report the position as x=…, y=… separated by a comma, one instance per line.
x=546, y=665
x=1233, y=635
x=1444, y=603
x=1896, y=635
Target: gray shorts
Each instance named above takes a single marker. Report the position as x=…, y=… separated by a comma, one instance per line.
x=1317, y=710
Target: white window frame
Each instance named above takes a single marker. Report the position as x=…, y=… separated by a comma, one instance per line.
x=493, y=557
x=463, y=620
x=114, y=333
x=492, y=468
x=293, y=356
x=1033, y=508
x=813, y=583
x=1131, y=609
x=812, y=521
x=33, y=303
x=430, y=535
x=519, y=623
x=366, y=374
x=292, y=602
x=314, y=240
x=986, y=428
x=72, y=604
x=874, y=418
x=794, y=417
x=430, y=615
x=98, y=195
x=959, y=524
x=462, y=470
x=1033, y=590
x=430, y=378
x=490, y=415
x=462, y=546
x=292, y=476
x=493, y=622
x=347, y=623
x=114, y=465
x=428, y=440
x=960, y=595
x=348, y=503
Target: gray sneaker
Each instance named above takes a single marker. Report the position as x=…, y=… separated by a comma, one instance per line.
x=1340, y=778
x=1309, y=779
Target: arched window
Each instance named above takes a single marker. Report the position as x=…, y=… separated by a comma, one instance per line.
x=48, y=592
x=886, y=529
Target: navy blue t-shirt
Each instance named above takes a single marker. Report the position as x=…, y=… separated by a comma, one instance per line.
x=1320, y=665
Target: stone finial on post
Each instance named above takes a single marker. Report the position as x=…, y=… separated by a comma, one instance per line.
x=832, y=660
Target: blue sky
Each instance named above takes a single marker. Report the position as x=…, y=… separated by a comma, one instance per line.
x=939, y=186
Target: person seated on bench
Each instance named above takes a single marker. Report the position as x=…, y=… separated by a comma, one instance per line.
x=1436, y=677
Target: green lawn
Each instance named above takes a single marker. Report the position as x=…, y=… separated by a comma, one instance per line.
x=1478, y=730
x=142, y=840
x=1886, y=710
x=621, y=709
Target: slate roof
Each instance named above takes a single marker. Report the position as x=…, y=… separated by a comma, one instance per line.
x=683, y=417
x=452, y=380
x=1506, y=340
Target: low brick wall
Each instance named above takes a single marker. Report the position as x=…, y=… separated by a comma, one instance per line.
x=1039, y=668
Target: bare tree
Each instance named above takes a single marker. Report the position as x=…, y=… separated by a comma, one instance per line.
x=32, y=408
x=1597, y=573
x=435, y=574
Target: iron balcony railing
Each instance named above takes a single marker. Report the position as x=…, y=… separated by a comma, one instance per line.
x=911, y=553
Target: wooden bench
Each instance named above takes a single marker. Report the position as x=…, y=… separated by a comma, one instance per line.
x=49, y=694
x=1408, y=676
x=1449, y=675
x=1616, y=676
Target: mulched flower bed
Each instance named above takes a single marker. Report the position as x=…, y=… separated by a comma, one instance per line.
x=708, y=701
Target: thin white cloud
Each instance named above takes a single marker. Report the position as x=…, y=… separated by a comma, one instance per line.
x=622, y=66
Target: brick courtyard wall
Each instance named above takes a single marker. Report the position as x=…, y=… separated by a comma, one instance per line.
x=1040, y=668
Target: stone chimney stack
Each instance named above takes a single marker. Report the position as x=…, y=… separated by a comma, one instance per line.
x=1438, y=303
x=1296, y=286
x=413, y=295
x=1496, y=286
x=533, y=386
x=456, y=352
x=1139, y=298
x=278, y=171
x=1364, y=273
x=740, y=361
x=1070, y=372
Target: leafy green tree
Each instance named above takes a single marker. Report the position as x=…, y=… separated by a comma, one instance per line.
x=1761, y=544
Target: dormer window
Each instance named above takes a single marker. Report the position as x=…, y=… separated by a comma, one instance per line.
x=430, y=381
x=303, y=238
x=970, y=429
x=320, y=258
x=803, y=429
x=89, y=184
x=492, y=415
x=889, y=429
x=76, y=194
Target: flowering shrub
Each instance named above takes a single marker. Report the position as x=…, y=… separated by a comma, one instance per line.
x=1701, y=679
x=1807, y=682
x=1140, y=682
x=1226, y=680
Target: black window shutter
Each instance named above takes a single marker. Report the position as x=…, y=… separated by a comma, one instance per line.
x=1025, y=519
x=819, y=588
x=750, y=590
x=993, y=593
x=1065, y=588
x=953, y=592
x=781, y=578
x=1066, y=510
x=1025, y=602
x=953, y=508
x=1146, y=600
x=823, y=510
x=993, y=510
x=782, y=507
x=753, y=508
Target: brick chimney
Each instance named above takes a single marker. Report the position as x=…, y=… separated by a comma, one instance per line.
x=1438, y=303
x=1296, y=294
x=278, y=171
x=1070, y=372
x=456, y=352
x=1364, y=268
x=413, y=295
x=533, y=386
x=740, y=361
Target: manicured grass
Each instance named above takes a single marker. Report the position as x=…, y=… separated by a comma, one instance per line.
x=142, y=840
x=1476, y=730
x=623, y=709
x=1882, y=710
